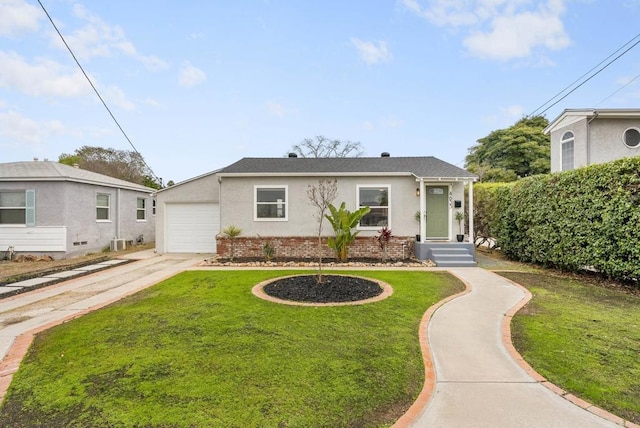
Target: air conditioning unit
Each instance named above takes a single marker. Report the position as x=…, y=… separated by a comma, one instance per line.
x=118, y=244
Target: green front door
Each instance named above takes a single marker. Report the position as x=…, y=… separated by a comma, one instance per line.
x=437, y=212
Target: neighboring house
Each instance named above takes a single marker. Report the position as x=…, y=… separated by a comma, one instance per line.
x=581, y=137
x=54, y=209
x=267, y=198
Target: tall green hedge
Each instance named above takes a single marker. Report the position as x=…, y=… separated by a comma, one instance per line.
x=585, y=218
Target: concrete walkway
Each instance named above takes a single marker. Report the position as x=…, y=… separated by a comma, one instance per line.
x=478, y=383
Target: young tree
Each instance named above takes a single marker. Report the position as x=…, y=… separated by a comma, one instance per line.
x=508, y=154
x=320, y=197
x=122, y=164
x=323, y=147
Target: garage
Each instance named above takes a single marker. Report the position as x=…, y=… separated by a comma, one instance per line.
x=192, y=227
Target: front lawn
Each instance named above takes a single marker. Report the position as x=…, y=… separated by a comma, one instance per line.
x=583, y=337
x=200, y=350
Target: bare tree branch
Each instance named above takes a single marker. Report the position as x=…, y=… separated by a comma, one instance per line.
x=323, y=147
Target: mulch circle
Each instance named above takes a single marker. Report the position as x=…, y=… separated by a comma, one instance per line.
x=334, y=290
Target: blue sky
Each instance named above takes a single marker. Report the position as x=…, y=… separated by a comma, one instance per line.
x=197, y=85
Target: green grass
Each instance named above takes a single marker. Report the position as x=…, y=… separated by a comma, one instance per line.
x=583, y=337
x=200, y=350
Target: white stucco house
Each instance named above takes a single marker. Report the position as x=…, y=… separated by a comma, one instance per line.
x=47, y=208
x=582, y=137
x=267, y=198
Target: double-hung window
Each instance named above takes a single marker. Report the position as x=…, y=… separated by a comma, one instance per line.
x=271, y=203
x=141, y=211
x=375, y=197
x=103, y=206
x=13, y=207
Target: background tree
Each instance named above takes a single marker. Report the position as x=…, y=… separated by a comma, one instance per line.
x=123, y=164
x=320, y=197
x=323, y=147
x=508, y=154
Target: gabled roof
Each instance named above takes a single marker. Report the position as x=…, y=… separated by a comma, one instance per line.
x=569, y=116
x=54, y=171
x=189, y=180
x=420, y=167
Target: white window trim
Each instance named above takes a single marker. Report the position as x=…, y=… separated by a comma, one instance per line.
x=29, y=209
x=625, y=141
x=107, y=220
x=286, y=201
x=143, y=209
x=564, y=141
x=388, y=186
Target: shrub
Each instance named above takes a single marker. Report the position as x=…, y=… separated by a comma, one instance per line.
x=588, y=218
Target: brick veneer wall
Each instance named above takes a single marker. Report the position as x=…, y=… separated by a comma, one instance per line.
x=303, y=247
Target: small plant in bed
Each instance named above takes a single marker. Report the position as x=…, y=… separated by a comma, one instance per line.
x=333, y=289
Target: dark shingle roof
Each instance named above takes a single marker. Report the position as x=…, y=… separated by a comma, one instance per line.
x=54, y=171
x=427, y=166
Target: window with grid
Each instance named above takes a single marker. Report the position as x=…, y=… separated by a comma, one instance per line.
x=376, y=198
x=141, y=211
x=103, y=207
x=271, y=203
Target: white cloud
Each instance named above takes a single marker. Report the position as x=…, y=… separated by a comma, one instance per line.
x=191, y=76
x=100, y=39
x=277, y=109
x=370, y=52
x=17, y=17
x=19, y=130
x=499, y=29
x=42, y=77
x=114, y=95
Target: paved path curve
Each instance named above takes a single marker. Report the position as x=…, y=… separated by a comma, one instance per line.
x=478, y=383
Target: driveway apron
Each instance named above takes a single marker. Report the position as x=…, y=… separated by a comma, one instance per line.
x=478, y=383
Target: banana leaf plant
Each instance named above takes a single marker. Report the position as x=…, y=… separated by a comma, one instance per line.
x=344, y=222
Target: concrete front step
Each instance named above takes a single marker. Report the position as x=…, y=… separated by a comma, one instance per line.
x=456, y=263
x=452, y=257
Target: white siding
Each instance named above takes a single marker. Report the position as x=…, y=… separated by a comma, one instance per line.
x=40, y=239
x=192, y=227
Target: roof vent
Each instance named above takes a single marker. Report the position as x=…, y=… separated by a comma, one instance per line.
x=385, y=155
x=293, y=155
x=35, y=159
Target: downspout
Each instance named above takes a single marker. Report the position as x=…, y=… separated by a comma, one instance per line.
x=423, y=209
x=471, y=237
x=595, y=116
x=117, y=214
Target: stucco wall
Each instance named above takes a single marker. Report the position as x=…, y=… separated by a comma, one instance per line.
x=73, y=205
x=607, y=143
x=237, y=206
x=601, y=143
x=201, y=189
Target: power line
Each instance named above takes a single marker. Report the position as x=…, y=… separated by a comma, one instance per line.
x=618, y=90
x=98, y=93
x=539, y=112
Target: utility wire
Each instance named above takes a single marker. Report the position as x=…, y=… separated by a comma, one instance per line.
x=619, y=89
x=539, y=112
x=159, y=180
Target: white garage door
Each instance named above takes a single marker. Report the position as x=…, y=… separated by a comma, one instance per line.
x=192, y=228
